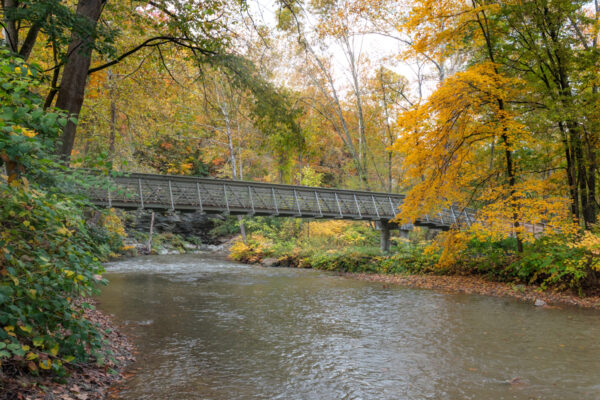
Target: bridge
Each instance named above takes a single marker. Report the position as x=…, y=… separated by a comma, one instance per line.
x=220, y=196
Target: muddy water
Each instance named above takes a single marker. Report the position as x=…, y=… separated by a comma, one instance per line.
x=212, y=329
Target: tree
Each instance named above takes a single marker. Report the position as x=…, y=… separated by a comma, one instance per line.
x=186, y=25
x=554, y=47
x=322, y=77
x=74, y=76
x=468, y=118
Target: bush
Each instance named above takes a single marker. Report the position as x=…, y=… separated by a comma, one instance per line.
x=566, y=263
x=412, y=260
x=257, y=248
x=49, y=260
x=49, y=256
x=559, y=261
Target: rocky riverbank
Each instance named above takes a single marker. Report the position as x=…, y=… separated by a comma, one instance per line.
x=167, y=232
x=169, y=243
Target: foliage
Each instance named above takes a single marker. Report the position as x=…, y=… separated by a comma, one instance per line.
x=25, y=128
x=551, y=261
x=56, y=20
x=330, y=245
x=329, y=254
x=50, y=258
x=554, y=262
x=445, y=148
x=175, y=156
x=309, y=177
x=506, y=132
x=224, y=227
x=256, y=248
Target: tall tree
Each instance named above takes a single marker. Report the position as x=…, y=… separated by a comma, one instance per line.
x=74, y=77
x=472, y=114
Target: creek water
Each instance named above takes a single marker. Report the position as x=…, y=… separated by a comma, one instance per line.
x=207, y=328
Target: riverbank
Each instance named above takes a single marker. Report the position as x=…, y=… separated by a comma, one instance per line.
x=532, y=294
x=91, y=381
x=194, y=320
x=547, y=275
x=88, y=381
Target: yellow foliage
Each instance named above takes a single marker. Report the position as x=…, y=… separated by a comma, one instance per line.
x=331, y=228
x=30, y=133
x=439, y=27
x=238, y=250
x=446, y=142
x=113, y=223
x=251, y=252
x=590, y=242
x=452, y=243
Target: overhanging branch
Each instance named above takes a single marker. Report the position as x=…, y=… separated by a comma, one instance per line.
x=153, y=42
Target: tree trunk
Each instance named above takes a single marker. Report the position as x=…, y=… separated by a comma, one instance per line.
x=510, y=169
x=511, y=182
x=73, y=83
x=227, y=119
x=592, y=216
x=113, y=117
x=30, y=40
x=362, y=137
x=9, y=27
x=571, y=178
x=149, y=243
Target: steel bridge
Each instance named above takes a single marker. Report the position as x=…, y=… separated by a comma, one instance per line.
x=220, y=196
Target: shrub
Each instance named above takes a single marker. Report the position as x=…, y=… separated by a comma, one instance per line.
x=254, y=251
x=49, y=256
x=563, y=262
x=49, y=260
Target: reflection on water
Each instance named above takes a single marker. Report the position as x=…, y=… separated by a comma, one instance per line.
x=212, y=329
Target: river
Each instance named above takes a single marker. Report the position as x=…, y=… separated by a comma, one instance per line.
x=207, y=328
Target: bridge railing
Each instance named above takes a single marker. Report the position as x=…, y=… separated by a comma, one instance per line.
x=208, y=195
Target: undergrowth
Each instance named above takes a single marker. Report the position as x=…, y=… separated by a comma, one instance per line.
x=552, y=261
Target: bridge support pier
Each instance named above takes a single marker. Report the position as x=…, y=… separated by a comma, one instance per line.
x=384, y=228
x=384, y=238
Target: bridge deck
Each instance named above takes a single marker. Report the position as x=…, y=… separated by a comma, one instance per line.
x=218, y=196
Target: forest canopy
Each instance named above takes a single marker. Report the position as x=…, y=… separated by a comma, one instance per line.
x=484, y=104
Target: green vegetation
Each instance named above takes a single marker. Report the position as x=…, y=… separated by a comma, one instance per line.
x=550, y=261
x=49, y=253
x=500, y=113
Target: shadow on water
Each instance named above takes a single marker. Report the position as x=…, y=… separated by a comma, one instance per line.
x=207, y=328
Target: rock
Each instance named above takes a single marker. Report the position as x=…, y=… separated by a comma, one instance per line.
x=516, y=382
x=211, y=247
x=189, y=246
x=540, y=303
x=187, y=224
x=270, y=262
x=163, y=252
